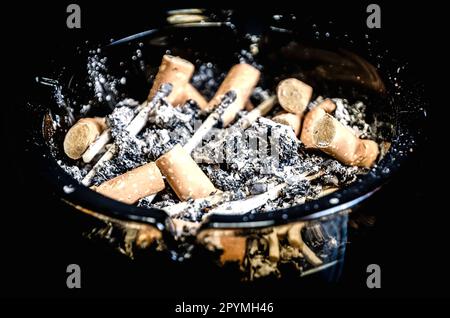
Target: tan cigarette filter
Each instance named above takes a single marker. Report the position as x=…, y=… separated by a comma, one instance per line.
x=176, y=71
x=242, y=78
x=311, y=118
x=314, y=115
x=184, y=175
x=190, y=92
x=294, y=95
x=81, y=135
x=371, y=153
x=327, y=105
x=340, y=142
x=289, y=119
x=134, y=184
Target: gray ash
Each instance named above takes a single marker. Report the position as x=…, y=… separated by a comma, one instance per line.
x=169, y=126
x=74, y=171
x=354, y=116
x=120, y=117
x=338, y=174
x=241, y=162
x=266, y=152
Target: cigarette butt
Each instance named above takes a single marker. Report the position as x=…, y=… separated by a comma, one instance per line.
x=234, y=248
x=289, y=119
x=371, y=153
x=184, y=175
x=340, y=142
x=176, y=71
x=327, y=105
x=81, y=135
x=294, y=95
x=311, y=118
x=190, y=92
x=242, y=78
x=133, y=185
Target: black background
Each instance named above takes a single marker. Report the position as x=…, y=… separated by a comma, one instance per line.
x=38, y=241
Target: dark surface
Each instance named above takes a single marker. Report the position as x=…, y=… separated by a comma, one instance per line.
x=40, y=238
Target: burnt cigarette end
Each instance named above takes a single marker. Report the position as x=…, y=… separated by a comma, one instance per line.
x=294, y=95
x=134, y=184
x=184, y=175
x=81, y=135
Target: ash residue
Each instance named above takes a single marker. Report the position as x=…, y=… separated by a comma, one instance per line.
x=120, y=117
x=246, y=161
x=74, y=171
x=168, y=126
x=240, y=162
x=354, y=116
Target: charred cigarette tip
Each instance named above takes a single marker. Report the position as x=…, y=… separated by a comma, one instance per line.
x=296, y=240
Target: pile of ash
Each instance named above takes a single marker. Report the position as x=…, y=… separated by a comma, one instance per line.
x=244, y=162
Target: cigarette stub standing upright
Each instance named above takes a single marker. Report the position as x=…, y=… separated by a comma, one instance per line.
x=242, y=79
x=176, y=71
x=294, y=95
